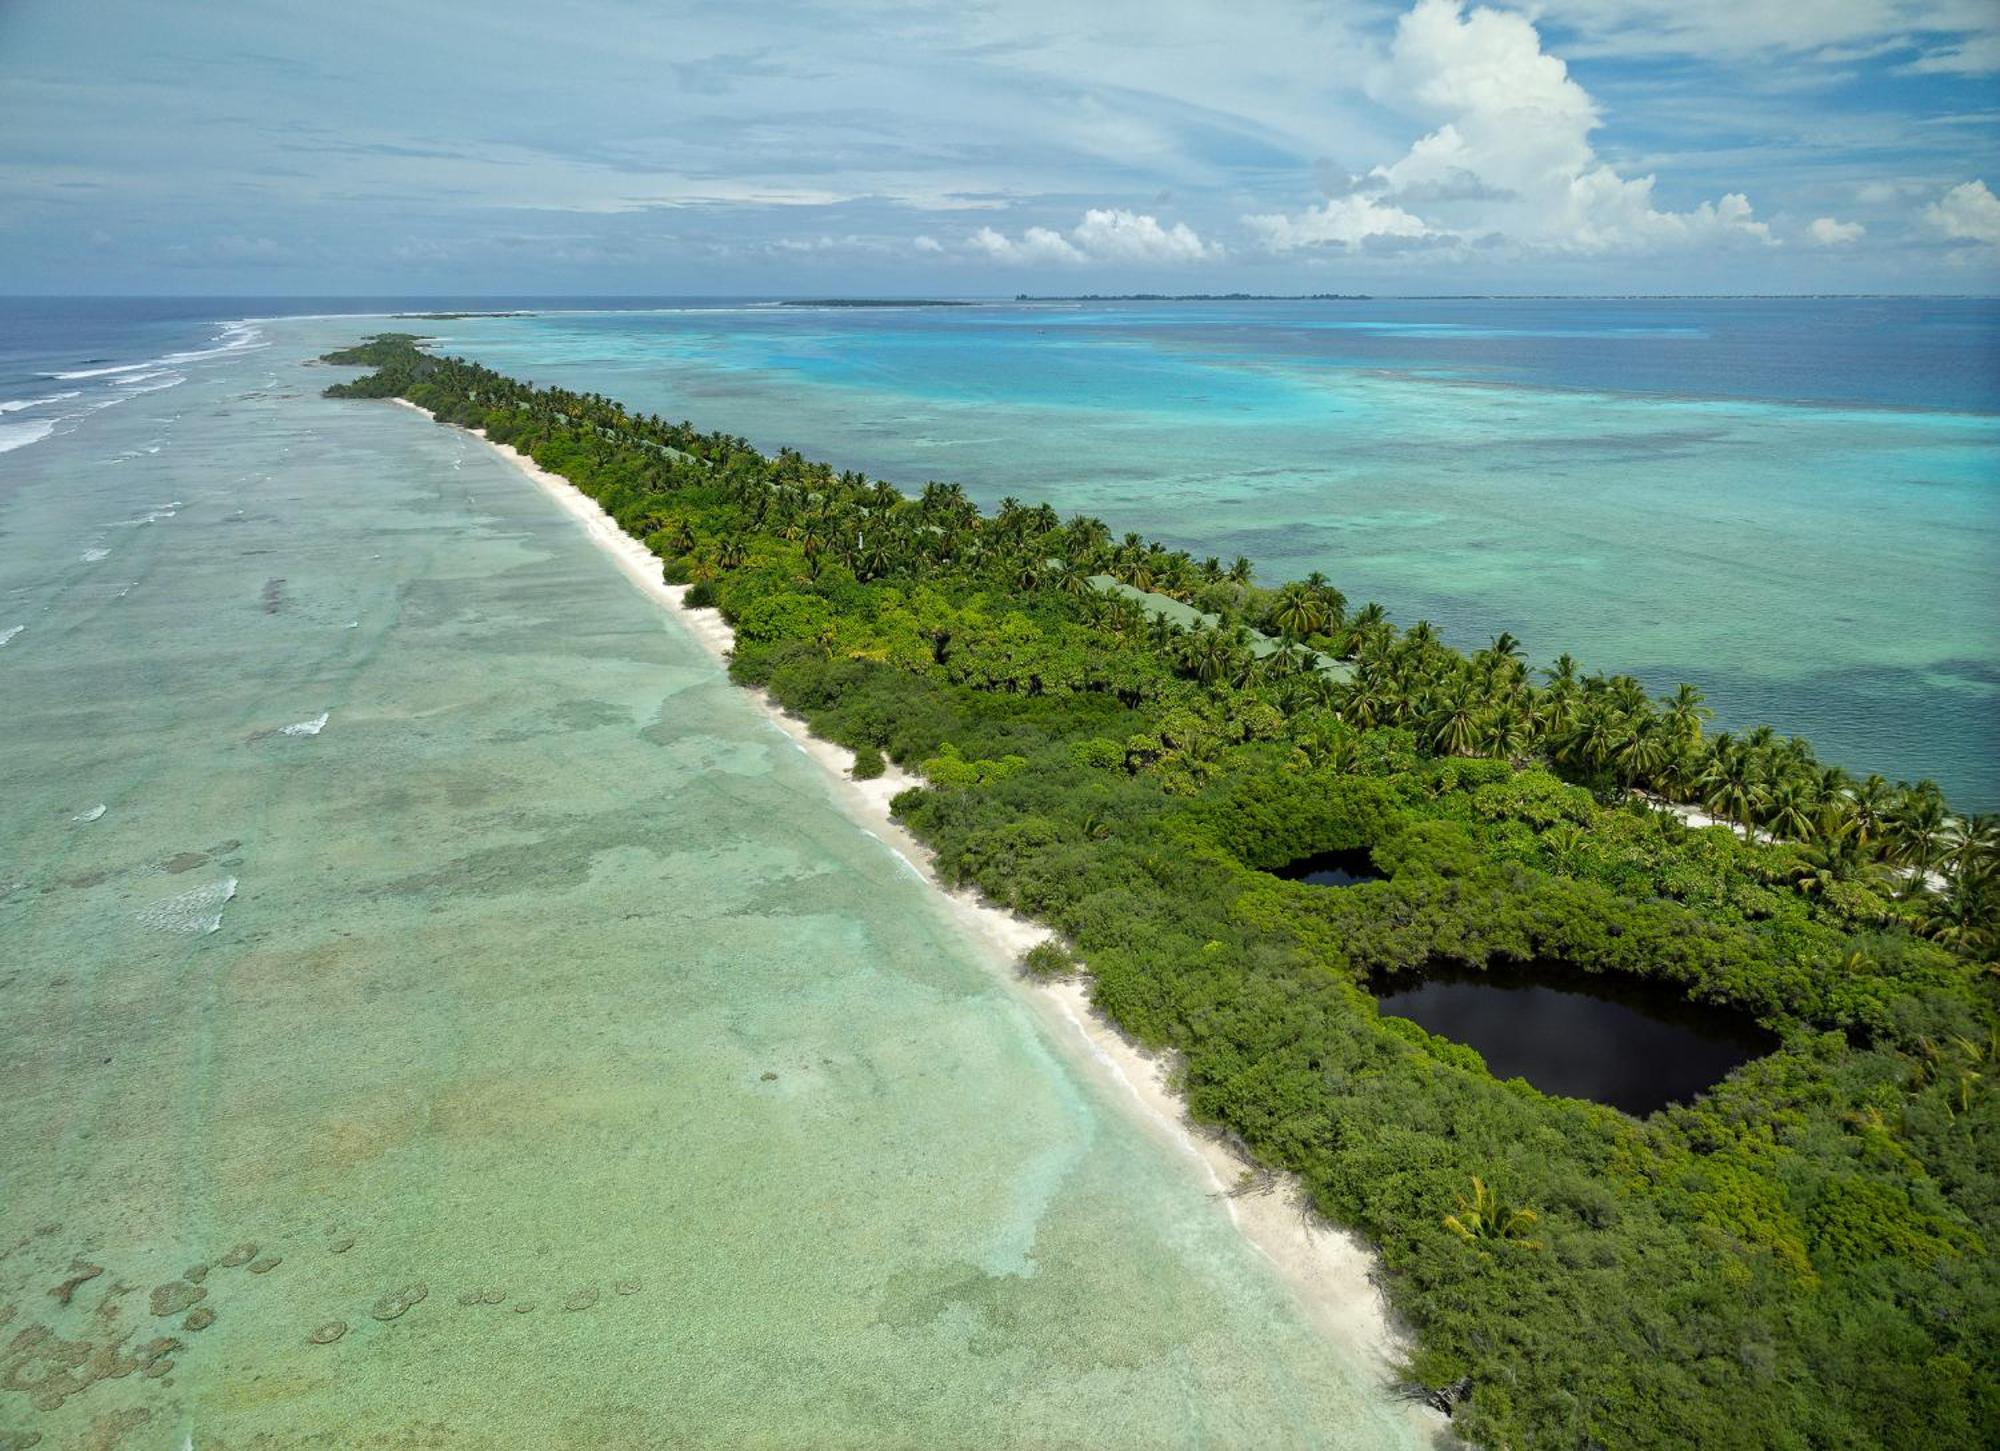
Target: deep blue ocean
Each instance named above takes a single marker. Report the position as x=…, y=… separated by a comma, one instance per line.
x=1794, y=504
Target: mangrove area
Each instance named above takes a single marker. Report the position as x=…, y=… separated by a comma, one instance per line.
x=1793, y=1249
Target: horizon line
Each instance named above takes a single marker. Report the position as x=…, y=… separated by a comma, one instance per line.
x=1014, y=297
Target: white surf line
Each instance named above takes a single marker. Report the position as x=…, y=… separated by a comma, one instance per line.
x=1329, y=1270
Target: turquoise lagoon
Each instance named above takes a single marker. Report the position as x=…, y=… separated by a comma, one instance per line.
x=412, y=941
x=1793, y=504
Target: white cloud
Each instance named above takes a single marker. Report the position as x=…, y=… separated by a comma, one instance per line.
x=1037, y=244
x=1124, y=236
x=927, y=244
x=1826, y=232
x=1348, y=221
x=1968, y=212
x=1104, y=235
x=1977, y=56
x=1894, y=191
x=1510, y=157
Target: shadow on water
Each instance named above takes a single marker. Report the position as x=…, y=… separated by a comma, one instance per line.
x=1629, y=1044
x=1331, y=869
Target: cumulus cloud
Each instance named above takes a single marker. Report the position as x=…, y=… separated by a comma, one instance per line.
x=1133, y=237
x=1509, y=157
x=1348, y=221
x=1826, y=232
x=1969, y=212
x=1104, y=235
x=1037, y=244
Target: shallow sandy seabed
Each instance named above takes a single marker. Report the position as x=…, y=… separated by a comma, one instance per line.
x=540, y=1050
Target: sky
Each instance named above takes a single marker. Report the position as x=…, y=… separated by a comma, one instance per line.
x=968, y=148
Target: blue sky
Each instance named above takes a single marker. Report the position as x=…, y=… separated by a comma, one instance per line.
x=810, y=147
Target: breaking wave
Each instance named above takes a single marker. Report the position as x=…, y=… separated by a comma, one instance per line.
x=20, y=435
x=18, y=405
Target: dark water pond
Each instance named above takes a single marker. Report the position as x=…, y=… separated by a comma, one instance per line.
x=1614, y=1041
x=1331, y=869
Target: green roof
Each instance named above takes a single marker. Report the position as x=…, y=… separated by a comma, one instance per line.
x=1189, y=618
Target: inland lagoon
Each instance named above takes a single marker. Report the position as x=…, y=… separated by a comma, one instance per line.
x=1634, y=1046
x=440, y=1009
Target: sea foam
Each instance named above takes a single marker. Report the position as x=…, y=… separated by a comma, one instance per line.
x=10, y=632
x=112, y=372
x=232, y=337
x=306, y=727
x=18, y=405
x=91, y=815
x=191, y=914
x=20, y=435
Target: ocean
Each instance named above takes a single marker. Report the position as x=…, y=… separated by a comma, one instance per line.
x=1793, y=504
x=441, y=1010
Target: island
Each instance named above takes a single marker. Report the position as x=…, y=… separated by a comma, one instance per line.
x=1250, y=814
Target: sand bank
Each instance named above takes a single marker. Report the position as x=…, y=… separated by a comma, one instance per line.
x=1327, y=1269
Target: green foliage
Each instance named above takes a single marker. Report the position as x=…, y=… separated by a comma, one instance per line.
x=1483, y=1220
x=1799, y=1258
x=1048, y=959
x=868, y=763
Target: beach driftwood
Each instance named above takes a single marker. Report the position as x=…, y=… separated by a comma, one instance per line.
x=1448, y=1398
x=1445, y=1398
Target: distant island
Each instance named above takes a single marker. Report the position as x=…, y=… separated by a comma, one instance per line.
x=1196, y=297
x=451, y=316
x=875, y=302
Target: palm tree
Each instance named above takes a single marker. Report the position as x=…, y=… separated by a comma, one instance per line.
x=1297, y=612
x=1482, y=1219
x=1734, y=786
x=1685, y=715
x=1071, y=581
x=1456, y=723
x=1788, y=810
x=1644, y=751
x=1918, y=826
x=1596, y=736
x=1207, y=653
x=1833, y=857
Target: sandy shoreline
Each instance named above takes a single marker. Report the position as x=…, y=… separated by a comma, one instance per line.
x=1327, y=1269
